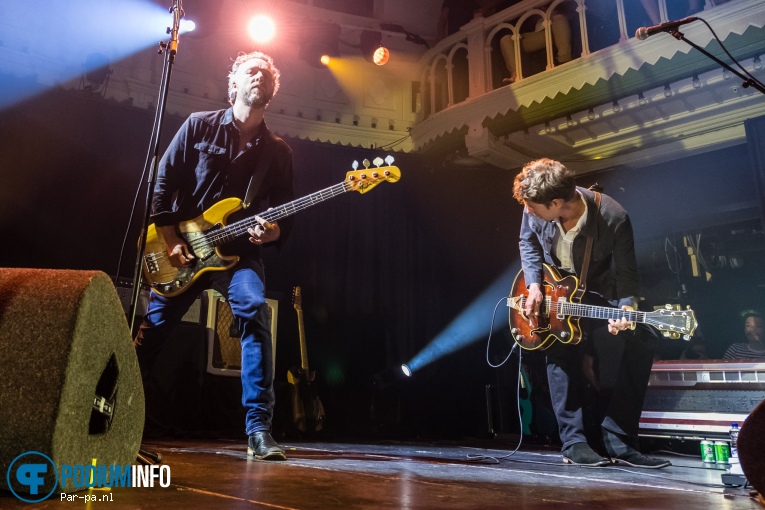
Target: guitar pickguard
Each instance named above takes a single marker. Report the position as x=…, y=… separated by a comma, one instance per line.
x=170, y=281
x=551, y=326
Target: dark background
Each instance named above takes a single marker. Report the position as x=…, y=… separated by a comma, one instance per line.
x=382, y=273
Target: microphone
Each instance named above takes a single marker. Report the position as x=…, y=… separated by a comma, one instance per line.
x=644, y=33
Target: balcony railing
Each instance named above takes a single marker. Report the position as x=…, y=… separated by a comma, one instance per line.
x=483, y=54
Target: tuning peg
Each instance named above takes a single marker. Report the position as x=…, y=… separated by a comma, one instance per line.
x=389, y=159
x=365, y=163
x=377, y=161
x=355, y=165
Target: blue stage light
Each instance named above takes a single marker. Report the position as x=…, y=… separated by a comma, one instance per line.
x=471, y=325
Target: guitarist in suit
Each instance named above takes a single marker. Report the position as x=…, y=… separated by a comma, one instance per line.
x=217, y=155
x=558, y=218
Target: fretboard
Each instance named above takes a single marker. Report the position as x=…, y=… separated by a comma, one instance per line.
x=239, y=228
x=597, y=312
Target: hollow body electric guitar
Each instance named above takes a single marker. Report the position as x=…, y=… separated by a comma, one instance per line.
x=560, y=313
x=205, y=234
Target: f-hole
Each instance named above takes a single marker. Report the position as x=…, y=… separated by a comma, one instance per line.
x=102, y=413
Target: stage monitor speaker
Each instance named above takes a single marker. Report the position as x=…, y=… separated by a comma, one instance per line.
x=70, y=386
x=751, y=447
x=224, y=353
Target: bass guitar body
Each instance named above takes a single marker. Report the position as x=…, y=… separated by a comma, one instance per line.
x=171, y=281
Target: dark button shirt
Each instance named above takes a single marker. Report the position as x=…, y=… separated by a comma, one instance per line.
x=202, y=166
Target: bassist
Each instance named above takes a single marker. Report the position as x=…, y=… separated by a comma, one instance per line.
x=217, y=155
x=558, y=219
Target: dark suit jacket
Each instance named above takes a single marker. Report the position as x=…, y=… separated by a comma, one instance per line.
x=613, y=268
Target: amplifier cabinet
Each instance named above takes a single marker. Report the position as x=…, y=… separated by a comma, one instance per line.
x=700, y=399
x=224, y=348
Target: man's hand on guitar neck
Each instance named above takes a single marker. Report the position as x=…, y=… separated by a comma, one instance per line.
x=177, y=250
x=266, y=232
x=615, y=326
x=533, y=304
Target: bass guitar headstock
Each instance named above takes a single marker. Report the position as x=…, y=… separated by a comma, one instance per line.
x=367, y=178
x=297, y=298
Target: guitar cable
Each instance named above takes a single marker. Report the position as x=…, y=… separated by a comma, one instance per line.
x=494, y=459
x=490, y=458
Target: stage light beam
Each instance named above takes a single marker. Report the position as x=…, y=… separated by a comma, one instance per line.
x=471, y=325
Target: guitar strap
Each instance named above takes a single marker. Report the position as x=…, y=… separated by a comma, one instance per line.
x=261, y=169
x=587, y=253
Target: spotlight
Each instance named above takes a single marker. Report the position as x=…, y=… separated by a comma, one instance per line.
x=407, y=371
x=187, y=25
x=381, y=56
x=372, y=48
x=261, y=28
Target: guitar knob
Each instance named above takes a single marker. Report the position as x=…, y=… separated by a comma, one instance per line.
x=514, y=331
x=564, y=334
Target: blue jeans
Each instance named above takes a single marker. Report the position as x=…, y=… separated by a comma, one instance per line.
x=244, y=289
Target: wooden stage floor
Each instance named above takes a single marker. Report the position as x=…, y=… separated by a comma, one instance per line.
x=217, y=475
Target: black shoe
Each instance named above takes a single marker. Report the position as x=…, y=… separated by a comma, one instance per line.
x=261, y=446
x=636, y=459
x=622, y=453
x=582, y=455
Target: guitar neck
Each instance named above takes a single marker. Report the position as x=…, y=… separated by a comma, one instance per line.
x=239, y=228
x=596, y=312
x=303, y=349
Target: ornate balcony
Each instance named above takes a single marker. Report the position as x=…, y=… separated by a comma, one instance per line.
x=620, y=100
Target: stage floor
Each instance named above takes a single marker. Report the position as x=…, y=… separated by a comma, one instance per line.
x=217, y=475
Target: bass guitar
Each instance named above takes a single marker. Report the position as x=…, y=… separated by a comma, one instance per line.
x=307, y=410
x=206, y=233
x=560, y=312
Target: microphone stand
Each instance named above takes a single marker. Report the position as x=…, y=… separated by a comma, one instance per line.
x=150, y=168
x=747, y=81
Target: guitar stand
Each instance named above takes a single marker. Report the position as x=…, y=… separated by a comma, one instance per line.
x=147, y=458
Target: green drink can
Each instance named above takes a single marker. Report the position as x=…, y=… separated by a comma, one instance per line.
x=707, y=451
x=722, y=452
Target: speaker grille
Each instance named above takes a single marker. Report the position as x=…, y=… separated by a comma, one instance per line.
x=224, y=353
